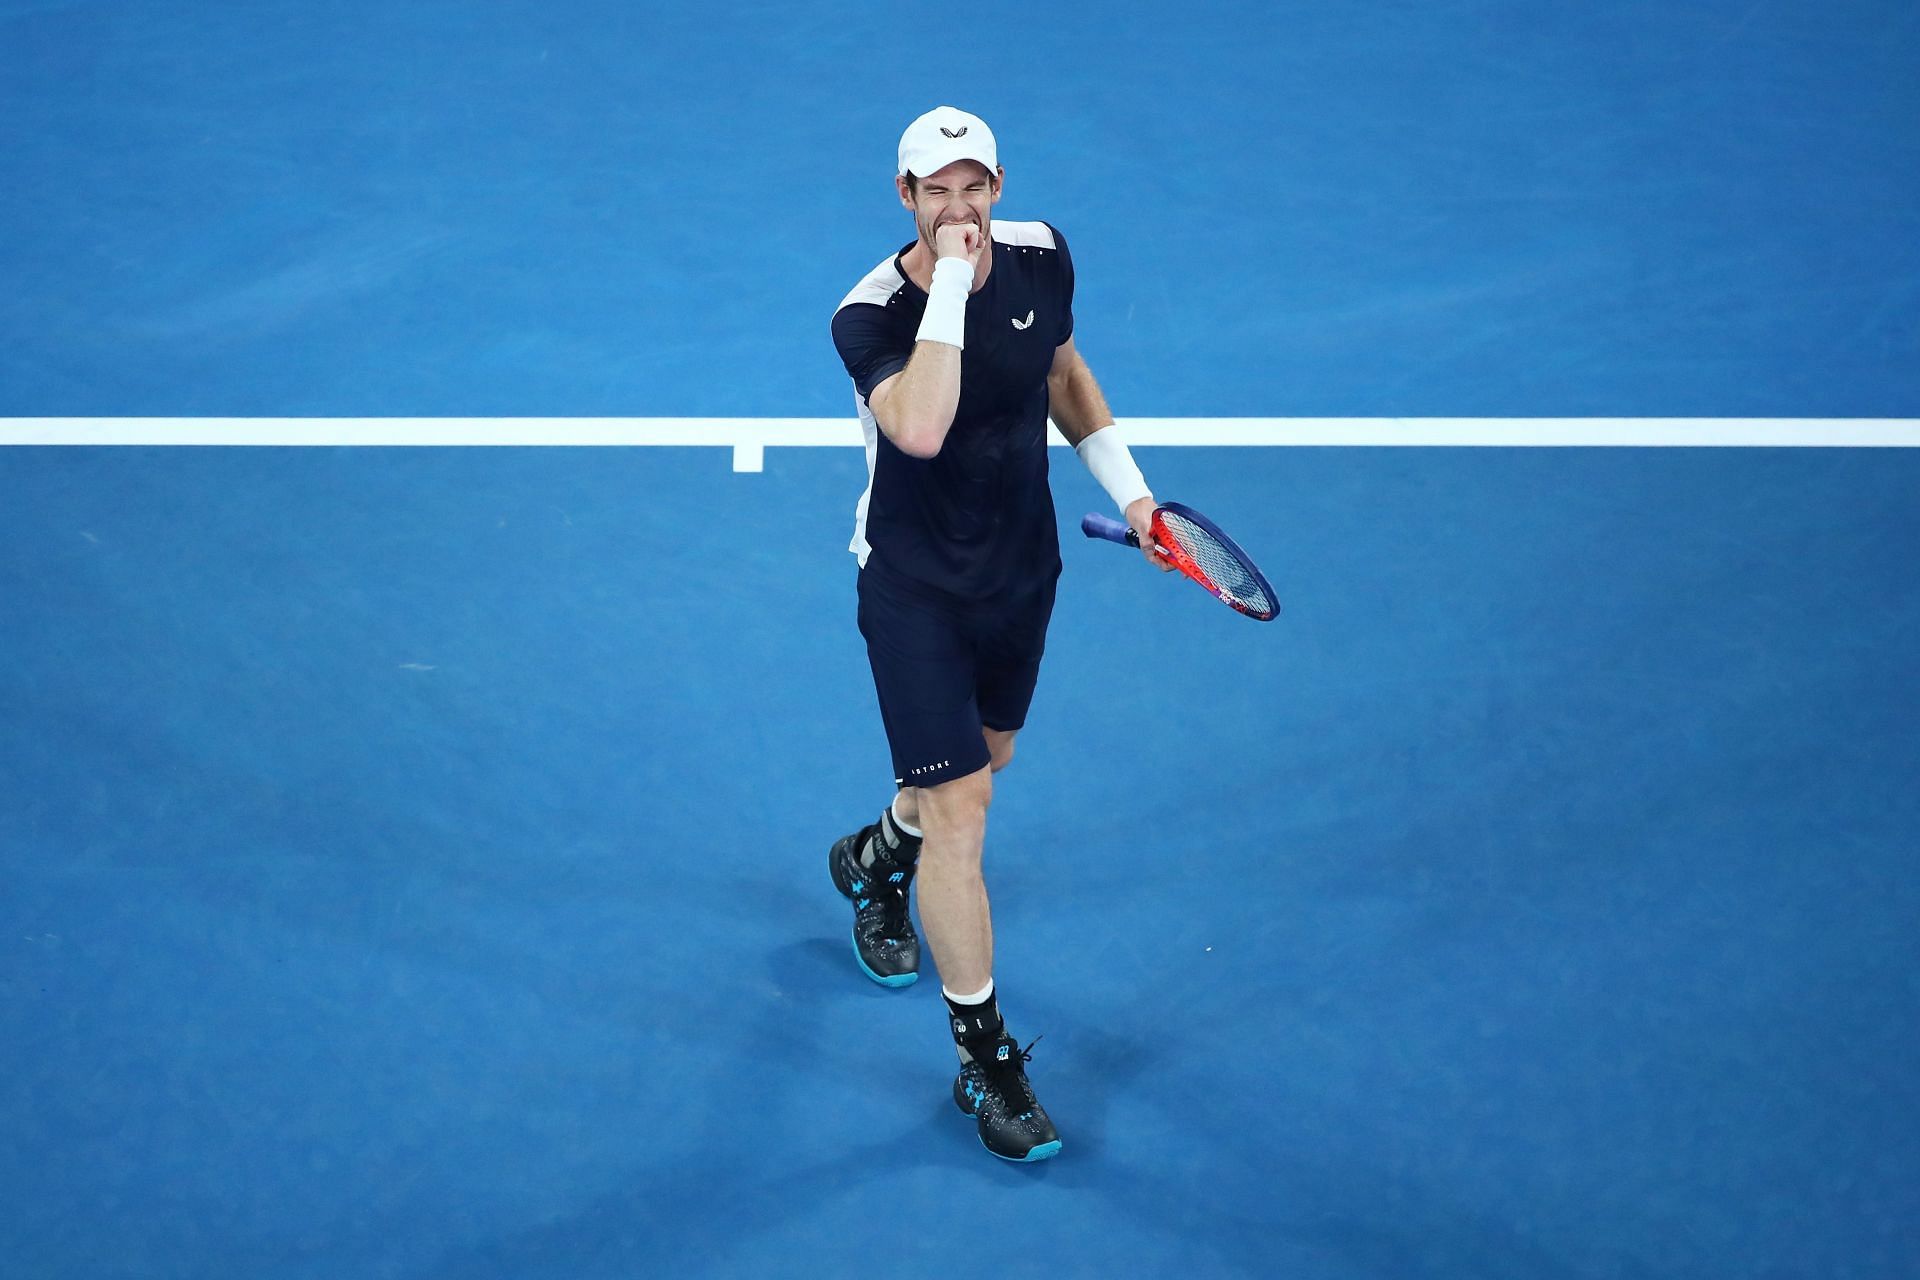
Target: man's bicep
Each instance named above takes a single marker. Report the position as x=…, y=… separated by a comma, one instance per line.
x=870, y=345
x=1065, y=357
x=880, y=399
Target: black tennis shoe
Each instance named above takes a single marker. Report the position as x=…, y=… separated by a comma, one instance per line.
x=995, y=1091
x=883, y=938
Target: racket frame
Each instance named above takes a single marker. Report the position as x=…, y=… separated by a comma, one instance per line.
x=1099, y=526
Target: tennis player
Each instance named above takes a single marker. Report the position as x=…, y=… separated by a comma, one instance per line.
x=960, y=346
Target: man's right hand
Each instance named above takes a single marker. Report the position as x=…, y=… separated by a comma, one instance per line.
x=959, y=240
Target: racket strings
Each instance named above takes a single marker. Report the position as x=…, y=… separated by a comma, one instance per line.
x=1223, y=568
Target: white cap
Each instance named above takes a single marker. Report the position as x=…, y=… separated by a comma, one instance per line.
x=943, y=135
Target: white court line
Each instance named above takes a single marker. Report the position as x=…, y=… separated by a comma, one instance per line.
x=750, y=438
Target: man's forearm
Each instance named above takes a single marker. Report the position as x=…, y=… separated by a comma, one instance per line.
x=1076, y=404
x=1080, y=410
x=918, y=409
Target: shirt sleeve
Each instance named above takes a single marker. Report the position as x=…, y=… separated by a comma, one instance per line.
x=869, y=345
x=1066, y=286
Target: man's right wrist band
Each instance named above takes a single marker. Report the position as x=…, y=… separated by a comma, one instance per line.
x=946, y=316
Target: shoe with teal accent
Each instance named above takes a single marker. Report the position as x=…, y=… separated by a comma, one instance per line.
x=884, y=942
x=995, y=1091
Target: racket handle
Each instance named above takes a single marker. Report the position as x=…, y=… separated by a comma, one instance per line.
x=1099, y=526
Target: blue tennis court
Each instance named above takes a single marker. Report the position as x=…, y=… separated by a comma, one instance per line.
x=410, y=858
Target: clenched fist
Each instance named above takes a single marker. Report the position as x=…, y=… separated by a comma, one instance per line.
x=959, y=240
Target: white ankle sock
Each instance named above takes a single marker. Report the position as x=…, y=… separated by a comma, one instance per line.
x=979, y=997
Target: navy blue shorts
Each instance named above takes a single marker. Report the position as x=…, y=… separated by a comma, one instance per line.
x=945, y=668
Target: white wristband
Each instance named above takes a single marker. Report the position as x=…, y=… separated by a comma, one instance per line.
x=1106, y=455
x=946, y=317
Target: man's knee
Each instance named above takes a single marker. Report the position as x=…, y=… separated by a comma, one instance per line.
x=957, y=806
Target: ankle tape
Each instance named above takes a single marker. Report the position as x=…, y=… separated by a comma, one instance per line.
x=894, y=842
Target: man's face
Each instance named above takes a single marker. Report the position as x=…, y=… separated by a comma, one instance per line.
x=962, y=192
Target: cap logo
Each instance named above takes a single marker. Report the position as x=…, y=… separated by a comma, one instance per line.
x=961, y=132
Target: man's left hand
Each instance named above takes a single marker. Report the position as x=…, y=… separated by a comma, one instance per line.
x=1140, y=519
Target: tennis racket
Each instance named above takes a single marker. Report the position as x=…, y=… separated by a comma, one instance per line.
x=1197, y=548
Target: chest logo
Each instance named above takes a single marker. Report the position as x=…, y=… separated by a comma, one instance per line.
x=1022, y=324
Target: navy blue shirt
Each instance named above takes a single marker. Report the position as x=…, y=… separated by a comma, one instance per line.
x=976, y=520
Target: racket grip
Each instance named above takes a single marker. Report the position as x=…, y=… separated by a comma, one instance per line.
x=1095, y=525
